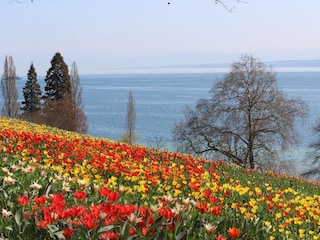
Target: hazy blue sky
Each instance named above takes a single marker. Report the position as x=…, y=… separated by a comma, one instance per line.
x=104, y=34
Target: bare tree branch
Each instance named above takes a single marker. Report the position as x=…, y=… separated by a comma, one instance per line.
x=11, y=106
x=227, y=7
x=246, y=119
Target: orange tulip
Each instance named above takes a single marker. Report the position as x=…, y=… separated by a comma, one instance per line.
x=234, y=232
x=216, y=210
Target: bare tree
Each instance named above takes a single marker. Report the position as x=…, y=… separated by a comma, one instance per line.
x=156, y=142
x=130, y=135
x=226, y=5
x=76, y=90
x=11, y=106
x=313, y=157
x=248, y=119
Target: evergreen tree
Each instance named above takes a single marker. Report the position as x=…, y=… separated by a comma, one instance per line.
x=57, y=79
x=58, y=108
x=32, y=93
x=11, y=106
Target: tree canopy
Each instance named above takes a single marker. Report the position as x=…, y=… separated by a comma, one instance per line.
x=60, y=108
x=31, y=92
x=57, y=79
x=248, y=119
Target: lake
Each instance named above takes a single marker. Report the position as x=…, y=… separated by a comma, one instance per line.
x=161, y=98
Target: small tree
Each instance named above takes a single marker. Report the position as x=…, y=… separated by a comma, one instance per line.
x=32, y=95
x=248, y=119
x=76, y=89
x=130, y=135
x=11, y=106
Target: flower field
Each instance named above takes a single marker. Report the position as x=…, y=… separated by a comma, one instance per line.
x=56, y=184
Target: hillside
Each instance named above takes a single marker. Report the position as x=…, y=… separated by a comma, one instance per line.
x=61, y=185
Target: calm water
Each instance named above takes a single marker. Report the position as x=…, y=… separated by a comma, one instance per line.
x=161, y=98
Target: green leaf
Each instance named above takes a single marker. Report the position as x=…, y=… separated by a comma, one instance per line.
x=53, y=228
x=9, y=228
x=5, y=195
x=82, y=235
x=132, y=237
x=178, y=227
x=161, y=235
x=18, y=217
x=60, y=235
x=156, y=225
x=182, y=236
x=105, y=229
x=125, y=230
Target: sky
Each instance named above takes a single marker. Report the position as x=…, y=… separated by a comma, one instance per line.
x=110, y=36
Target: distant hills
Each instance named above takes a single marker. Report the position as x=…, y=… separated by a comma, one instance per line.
x=276, y=64
x=296, y=63
x=279, y=65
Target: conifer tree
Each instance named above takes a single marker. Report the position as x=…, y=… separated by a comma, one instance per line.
x=58, y=108
x=57, y=79
x=11, y=106
x=32, y=93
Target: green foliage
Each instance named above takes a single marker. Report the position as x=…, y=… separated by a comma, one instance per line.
x=62, y=107
x=57, y=79
x=32, y=93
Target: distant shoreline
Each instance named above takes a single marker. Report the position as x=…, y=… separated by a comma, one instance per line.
x=193, y=70
x=278, y=66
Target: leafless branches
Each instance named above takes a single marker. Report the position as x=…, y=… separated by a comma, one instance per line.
x=247, y=120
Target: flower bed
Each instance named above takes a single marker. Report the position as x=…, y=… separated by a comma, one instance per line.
x=61, y=185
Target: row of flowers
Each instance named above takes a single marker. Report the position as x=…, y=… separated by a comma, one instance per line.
x=61, y=185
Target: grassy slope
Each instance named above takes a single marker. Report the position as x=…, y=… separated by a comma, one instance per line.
x=58, y=184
